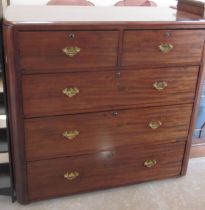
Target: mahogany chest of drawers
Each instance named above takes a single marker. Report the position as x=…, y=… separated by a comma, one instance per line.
x=99, y=102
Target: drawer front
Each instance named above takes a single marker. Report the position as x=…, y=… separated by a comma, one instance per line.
x=56, y=51
x=56, y=94
x=156, y=47
x=85, y=133
x=65, y=176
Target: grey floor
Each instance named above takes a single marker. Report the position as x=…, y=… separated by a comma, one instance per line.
x=186, y=193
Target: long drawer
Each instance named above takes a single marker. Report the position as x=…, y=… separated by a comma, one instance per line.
x=86, y=133
x=67, y=93
x=54, y=51
x=65, y=176
x=162, y=47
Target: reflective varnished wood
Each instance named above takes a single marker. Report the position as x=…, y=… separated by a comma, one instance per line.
x=121, y=112
x=79, y=14
x=104, y=131
x=44, y=51
x=142, y=48
x=102, y=90
x=110, y=168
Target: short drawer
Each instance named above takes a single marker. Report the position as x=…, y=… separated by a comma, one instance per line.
x=66, y=93
x=162, y=47
x=87, y=133
x=56, y=51
x=65, y=176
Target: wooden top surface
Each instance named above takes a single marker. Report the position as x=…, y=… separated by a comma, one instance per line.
x=83, y=14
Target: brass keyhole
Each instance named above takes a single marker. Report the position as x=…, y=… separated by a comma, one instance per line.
x=168, y=34
x=71, y=35
x=117, y=75
x=115, y=114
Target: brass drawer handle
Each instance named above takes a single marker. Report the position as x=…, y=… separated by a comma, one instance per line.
x=71, y=175
x=71, y=51
x=70, y=92
x=71, y=134
x=150, y=163
x=155, y=124
x=160, y=85
x=165, y=48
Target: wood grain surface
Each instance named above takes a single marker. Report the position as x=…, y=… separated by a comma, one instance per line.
x=141, y=48
x=102, y=170
x=103, y=131
x=98, y=91
x=43, y=50
x=114, y=72
x=15, y=127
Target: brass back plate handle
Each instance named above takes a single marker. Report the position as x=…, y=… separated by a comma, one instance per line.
x=155, y=124
x=71, y=51
x=70, y=176
x=160, y=85
x=165, y=48
x=70, y=92
x=71, y=134
x=150, y=163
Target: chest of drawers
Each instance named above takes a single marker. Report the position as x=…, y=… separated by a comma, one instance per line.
x=99, y=103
